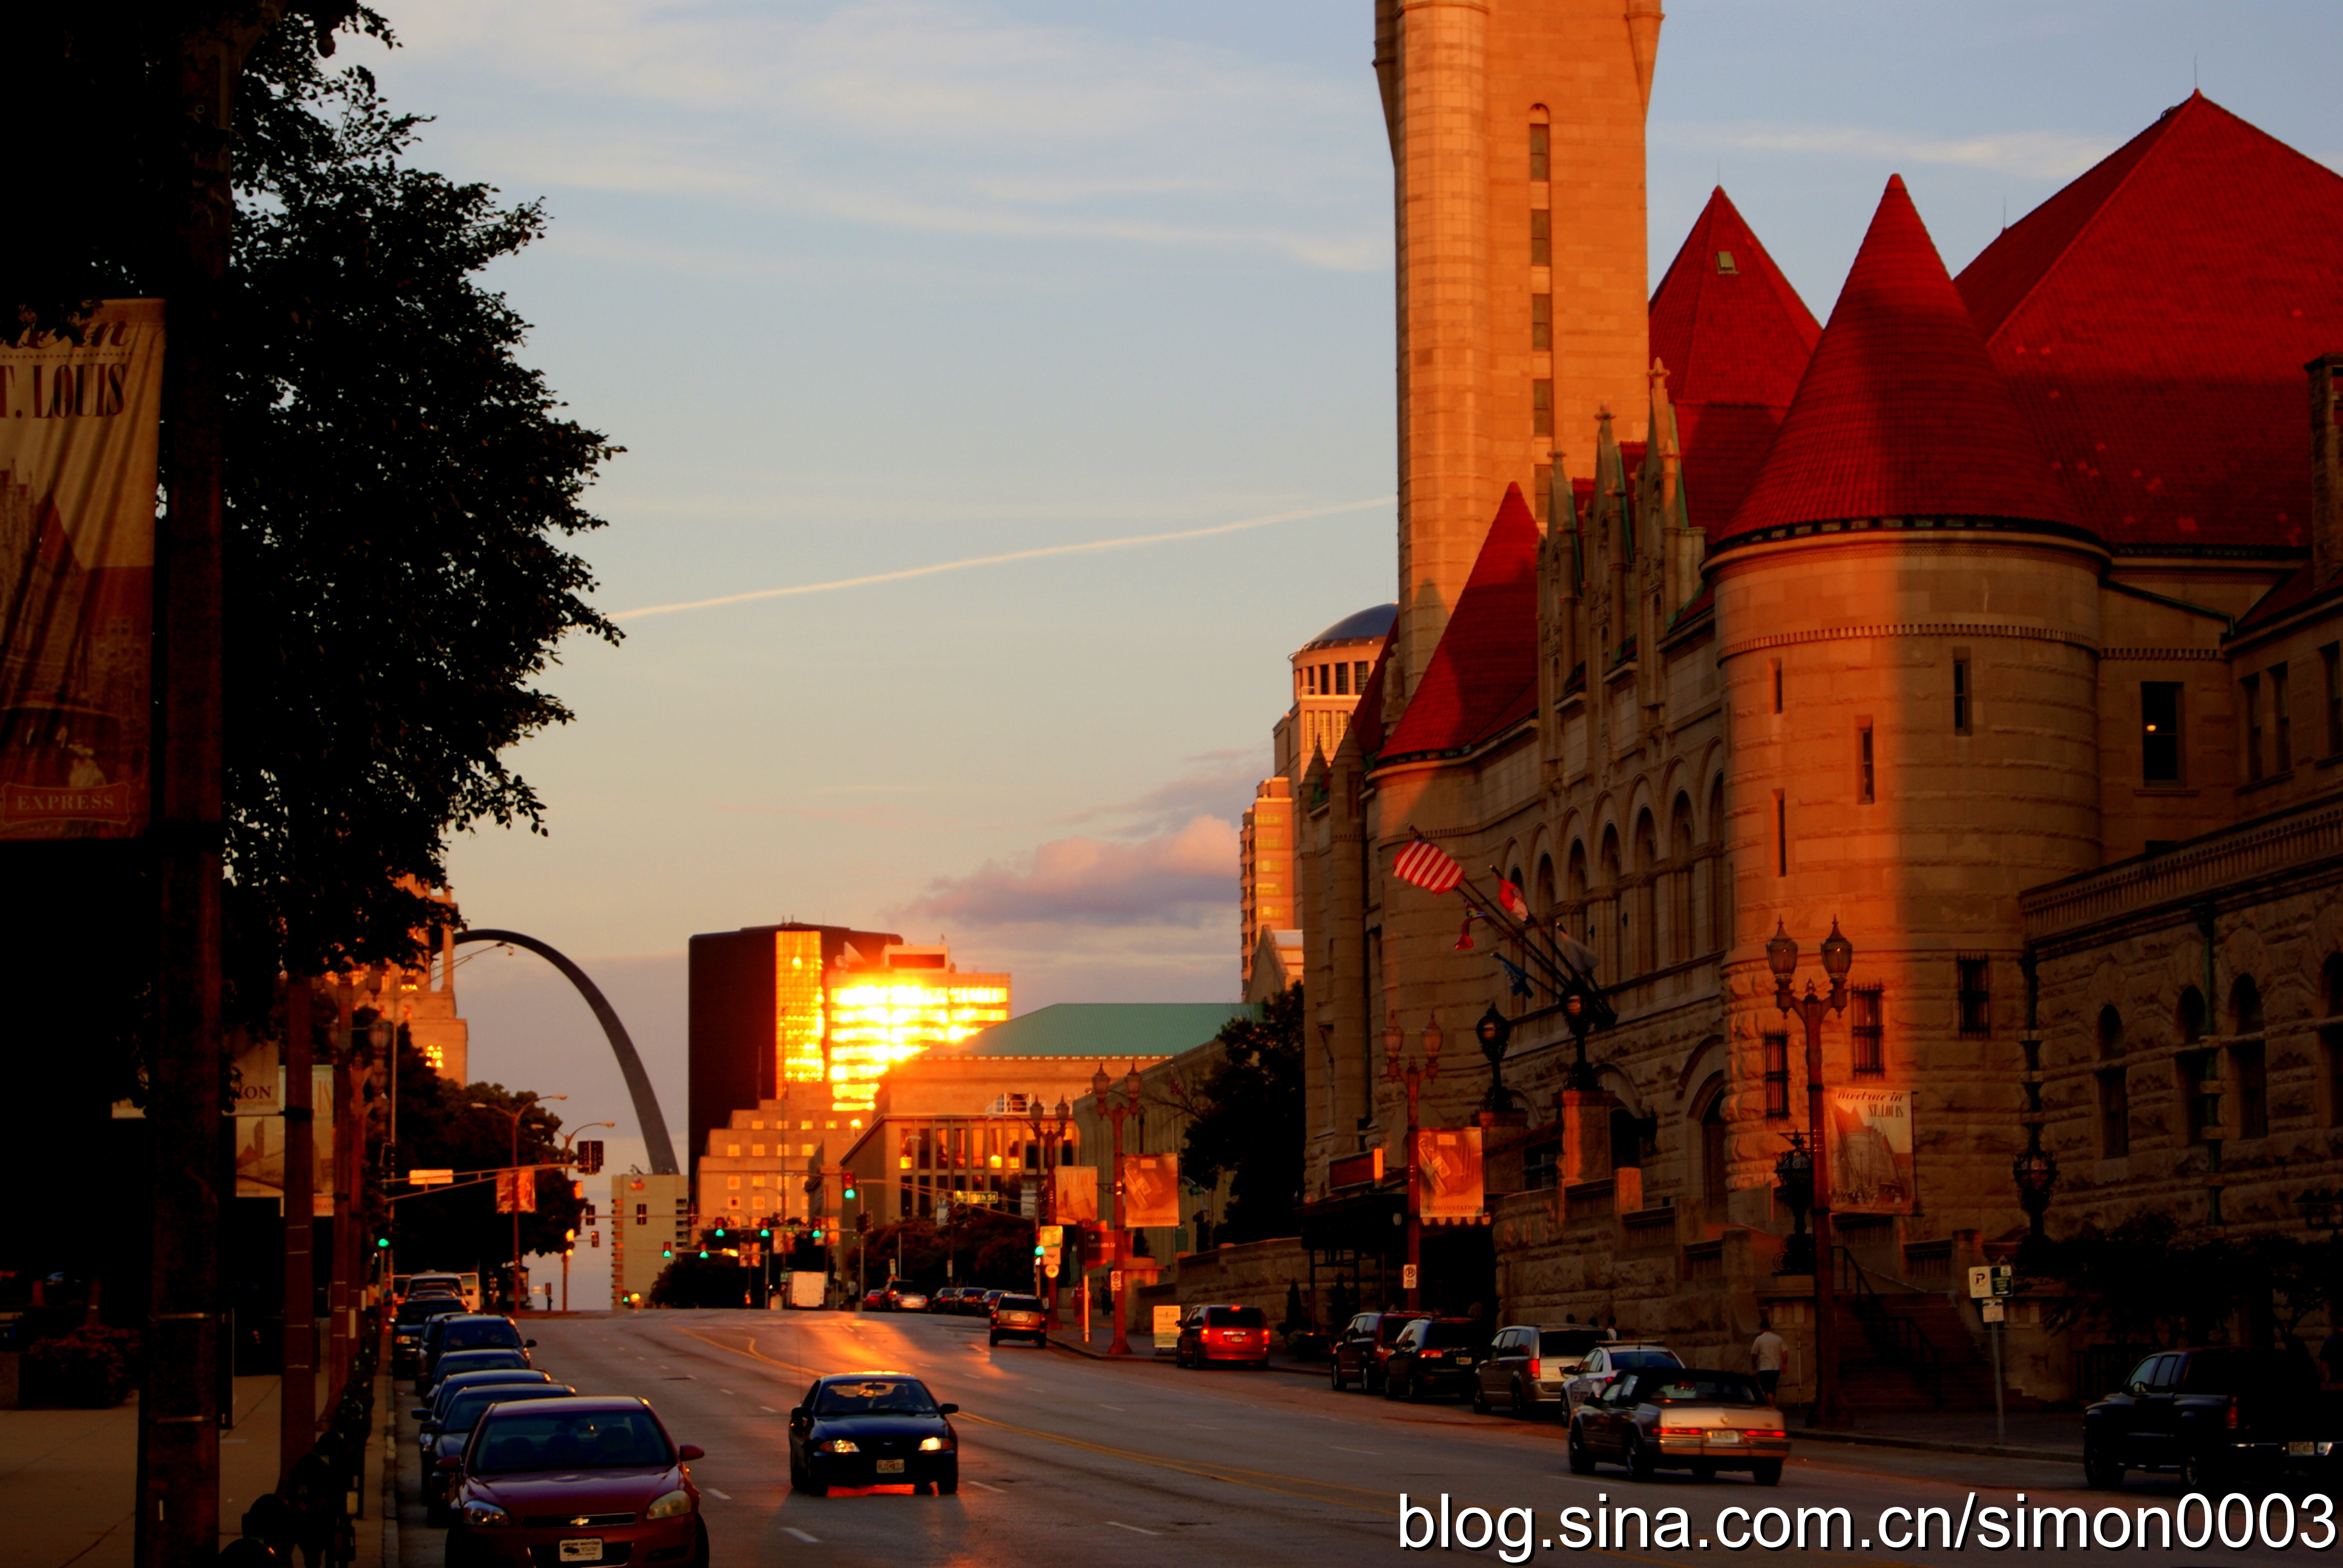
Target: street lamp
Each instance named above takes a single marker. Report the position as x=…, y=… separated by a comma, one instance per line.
x=1794, y=1183
x=1838, y=957
x=568, y=1242
x=1492, y=1031
x=1414, y=1077
x=1582, y=1076
x=1048, y=1139
x=516, y=1114
x=1116, y=1107
x=2036, y=1171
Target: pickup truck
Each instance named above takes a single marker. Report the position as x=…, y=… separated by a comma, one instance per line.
x=2218, y=1416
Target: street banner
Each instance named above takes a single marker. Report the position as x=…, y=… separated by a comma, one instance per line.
x=1167, y=1328
x=260, y=1139
x=1077, y=1195
x=80, y=427
x=1870, y=1151
x=1150, y=1190
x=516, y=1192
x=259, y=1079
x=1448, y=1172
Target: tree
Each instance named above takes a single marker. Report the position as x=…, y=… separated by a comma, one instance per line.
x=2140, y=1284
x=1250, y=1120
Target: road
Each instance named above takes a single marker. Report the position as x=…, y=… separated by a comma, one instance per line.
x=1064, y=1459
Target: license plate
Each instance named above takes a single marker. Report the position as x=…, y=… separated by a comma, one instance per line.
x=2302, y=1449
x=1725, y=1437
x=1461, y=1358
x=890, y=1467
x=581, y=1551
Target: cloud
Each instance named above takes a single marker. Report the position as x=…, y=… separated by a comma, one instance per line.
x=2037, y=154
x=1223, y=792
x=1179, y=878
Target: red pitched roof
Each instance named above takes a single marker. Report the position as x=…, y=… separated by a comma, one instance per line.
x=2153, y=319
x=1367, y=718
x=1735, y=344
x=1900, y=413
x=1483, y=677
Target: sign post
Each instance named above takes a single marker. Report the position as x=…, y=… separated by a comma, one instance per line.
x=1989, y=1287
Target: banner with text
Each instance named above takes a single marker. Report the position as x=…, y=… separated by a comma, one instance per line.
x=1448, y=1172
x=1077, y=1195
x=80, y=427
x=1150, y=1190
x=1871, y=1150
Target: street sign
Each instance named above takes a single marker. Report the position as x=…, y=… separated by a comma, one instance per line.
x=1048, y=1268
x=1407, y=1276
x=1993, y=1311
x=1997, y=1279
x=1050, y=1236
x=431, y=1178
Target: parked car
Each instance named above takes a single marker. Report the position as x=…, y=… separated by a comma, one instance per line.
x=1528, y=1364
x=454, y=1362
x=1361, y=1347
x=872, y=1429
x=406, y=1329
x=2217, y=1416
x=1020, y=1317
x=1680, y=1417
x=594, y=1480
x=1217, y=1334
x=450, y=1428
x=875, y=1300
x=982, y=1307
x=906, y=1300
x=1433, y=1356
x=455, y=1383
x=946, y=1300
x=1620, y=1356
x=465, y=1332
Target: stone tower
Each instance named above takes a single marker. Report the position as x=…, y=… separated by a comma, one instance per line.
x=1517, y=144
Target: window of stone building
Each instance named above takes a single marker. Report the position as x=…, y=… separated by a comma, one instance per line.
x=2330, y=1039
x=2244, y=1006
x=1868, y=1016
x=1541, y=1165
x=1538, y=135
x=1973, y=995
x=1343, y=678
x=2191, y=1014
x=2252, y=689
x=1541, y=407
x=1541, y=325
x=732, y=1151
x=2281, y=723
x=2249, y=1071
x=1866, y=768
x=2160, y=732
x=1961, y=691
x=2200, y=1083
x=1358, y=674
x=1720, y=906
x=1712, y=1157
x=2331, y=660
x=2114, y=1114
x=1777, y=1075
x=1776, y=672
x=1781, y=835
x=1541, y=238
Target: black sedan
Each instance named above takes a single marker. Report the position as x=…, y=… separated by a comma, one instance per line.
x=872, y=1429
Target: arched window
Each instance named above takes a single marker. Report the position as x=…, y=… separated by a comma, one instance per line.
x=2245, y=1007
x=1606, y=943
x=2248, y=1063
x=2192, y=1016
x=1647, y=897
x=2111, y=1034
x=1680, y=852
x=2114, y=1089
x=1543, y=893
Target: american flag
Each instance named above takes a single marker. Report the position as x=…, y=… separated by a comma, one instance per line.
x=1429, y=867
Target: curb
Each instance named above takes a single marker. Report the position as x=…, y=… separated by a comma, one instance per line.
x=1994, y=1451
x=389, y=1437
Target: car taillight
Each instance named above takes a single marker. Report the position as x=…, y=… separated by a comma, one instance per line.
x=1764, y=1431
x=1679, y=1432
x=2233, y=1413
x=1537, y=1370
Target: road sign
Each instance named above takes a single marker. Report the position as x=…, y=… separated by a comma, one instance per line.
x=1997, y=1279
x=1050, y=1236
x=1048, y=1268
x=1407, y=1272
x=431, y=1178
x=1993, y=1311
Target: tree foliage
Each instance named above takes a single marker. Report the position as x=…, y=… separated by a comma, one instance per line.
x=1249, y=1121
x=2139, y=1282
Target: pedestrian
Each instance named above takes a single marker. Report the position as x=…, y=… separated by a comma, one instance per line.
x=1767, y=1352
x=252, y=1549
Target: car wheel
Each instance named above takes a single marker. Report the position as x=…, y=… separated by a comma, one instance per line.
x=804, y=1481
x=1414, y=1387
x=996, y=1345
x=1480, y=1398
x=435, y=1513
x=1766, y=1472
x=1390, y=1389
x=460, y=1553
x=1341, y=1383
x=947, y=1483
x=2198, y=1472
x=2100, y=1472
x=1523, y=1409
x=1580, y=1462
x=1638, y=1458
x=701, y=1554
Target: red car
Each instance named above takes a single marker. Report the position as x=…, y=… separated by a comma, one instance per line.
x=574, y=1481
x=1224, y=1334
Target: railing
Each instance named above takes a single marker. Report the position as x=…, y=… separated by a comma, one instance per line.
x=1893, y=1336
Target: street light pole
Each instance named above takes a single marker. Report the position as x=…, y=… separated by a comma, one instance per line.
x=1049, y=1140
x=1117, y=1107
x=1838, y=957
x=569, y=1241
x=516, y=1115
x=1414, y=1077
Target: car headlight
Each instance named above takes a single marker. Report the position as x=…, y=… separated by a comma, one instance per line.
x=485, y=1516
x=671, y=1505
x=935, y=1444
x=839, y=1445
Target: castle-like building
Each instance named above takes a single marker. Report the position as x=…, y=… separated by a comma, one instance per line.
x=1996, y=620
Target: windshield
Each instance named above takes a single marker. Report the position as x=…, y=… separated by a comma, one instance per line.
x=1713, y=1388
x=1644, y=1358
x=464, y=1413
x=480, y=1361
x=875, y=1396
x=423, y=1308
x=591, y=1440
x=1453, y=1336
x=488, y=1331
x=1568, y=1342
x=1019, y=1303
x=1233, y=1318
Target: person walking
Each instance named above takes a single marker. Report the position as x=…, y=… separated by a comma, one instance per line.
x=1767, y=1352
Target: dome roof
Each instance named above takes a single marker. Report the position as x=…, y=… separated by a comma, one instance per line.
x=1366, y=626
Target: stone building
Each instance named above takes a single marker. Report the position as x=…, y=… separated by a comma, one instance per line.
x=1992, y=621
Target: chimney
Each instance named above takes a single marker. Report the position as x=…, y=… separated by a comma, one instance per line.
x=2326, y=470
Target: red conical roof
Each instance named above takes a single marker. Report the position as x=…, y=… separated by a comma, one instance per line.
x=1900, y=413
x=2153, y=319
x=1483, y=677
x=1734, y=338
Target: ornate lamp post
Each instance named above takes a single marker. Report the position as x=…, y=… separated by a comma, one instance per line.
x=1414, y=1077
x=1574, y=1013
x=2036, y=1171
x=1794, y=1182
x=1049, y=1137
x=1493, y=1029
x=1838, y=957
x=1117, y=1107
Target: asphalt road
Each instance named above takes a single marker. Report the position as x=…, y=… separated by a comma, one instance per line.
x=1064, y=1459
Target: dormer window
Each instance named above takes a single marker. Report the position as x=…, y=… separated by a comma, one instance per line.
x=1724, y=266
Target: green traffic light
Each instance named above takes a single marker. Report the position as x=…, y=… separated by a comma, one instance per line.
x=382, y=1242
x=849, y=1191
x=664, y=1253
x=703, y=1251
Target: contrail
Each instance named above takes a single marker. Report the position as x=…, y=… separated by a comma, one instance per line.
x=1078, y=550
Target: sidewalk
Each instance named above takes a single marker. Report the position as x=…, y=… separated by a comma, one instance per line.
x=2032, y=1433
x=67, y=1477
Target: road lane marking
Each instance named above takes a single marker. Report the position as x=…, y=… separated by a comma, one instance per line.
x=711, y=1491
x=972, y=1480
x=793, y=1529
x=1370, y=1453
x=1134, y=1529
x=768, y=1410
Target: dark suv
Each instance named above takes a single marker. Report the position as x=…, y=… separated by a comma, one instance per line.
x=2220, y=1417
x=1434, y=1355
x=1361, y=1347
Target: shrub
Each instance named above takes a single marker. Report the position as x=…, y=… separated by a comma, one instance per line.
x=92, y=1368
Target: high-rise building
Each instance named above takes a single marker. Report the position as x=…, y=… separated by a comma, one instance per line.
x=650, y=1217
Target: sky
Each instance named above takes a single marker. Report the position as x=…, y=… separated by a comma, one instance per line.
x=872, y=288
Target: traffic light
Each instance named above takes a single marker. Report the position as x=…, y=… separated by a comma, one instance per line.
x=765, y=1235
x=720, y=1233
x=664, y=1253
x=817, y=1235
x=850, y=1190
x=862, y=1221
x=382, y=1241
x=590, y=1156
